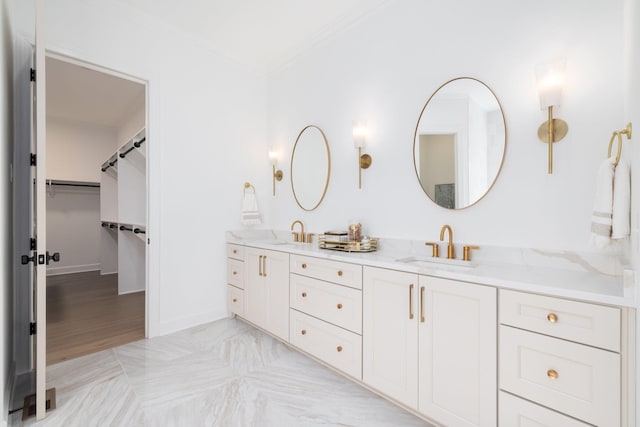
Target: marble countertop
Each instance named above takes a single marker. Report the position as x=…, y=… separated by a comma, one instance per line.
x=563, y=274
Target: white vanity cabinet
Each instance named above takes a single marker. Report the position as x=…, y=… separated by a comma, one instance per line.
x=266, y=275
x=235, y=279
x=326, y=311
x=430, y=343
x=562, y=354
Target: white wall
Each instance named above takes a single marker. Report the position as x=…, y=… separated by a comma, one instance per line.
x=6, y=247
x=385, y=68
x=73, y=229
x=132, y=126
x=75, y=151
x=207, y=127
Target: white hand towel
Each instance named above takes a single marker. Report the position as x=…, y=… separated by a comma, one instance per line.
x=601, y=220
x=250, y=213
x=621, y=210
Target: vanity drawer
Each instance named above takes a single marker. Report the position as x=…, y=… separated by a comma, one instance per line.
x=235, y=273
x=586, y=383
x=581, y=322
x=335, y=304
x=332, y=271
x=338, y=347
x=516, y=412
x=235, y=251
x=235, y=300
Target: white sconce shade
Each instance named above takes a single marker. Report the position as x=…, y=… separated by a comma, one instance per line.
x=277, y=175
x=360, y=134
x=550, y=77
x=273, y=156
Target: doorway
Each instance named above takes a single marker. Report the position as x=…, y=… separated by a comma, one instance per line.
x=96, y=208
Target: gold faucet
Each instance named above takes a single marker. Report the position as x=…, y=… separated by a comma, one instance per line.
x=298, y=237
x=444, y=228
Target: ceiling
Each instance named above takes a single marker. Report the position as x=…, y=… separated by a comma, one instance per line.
x=262, y=34
x=84, y=95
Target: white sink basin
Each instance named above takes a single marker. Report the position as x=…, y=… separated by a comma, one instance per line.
x=430, y=262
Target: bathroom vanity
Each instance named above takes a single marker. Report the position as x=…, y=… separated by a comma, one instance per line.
x=459, y=344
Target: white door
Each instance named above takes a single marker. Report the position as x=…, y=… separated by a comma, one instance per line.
x=40, y=216
x=390, y=333
x=457, y=352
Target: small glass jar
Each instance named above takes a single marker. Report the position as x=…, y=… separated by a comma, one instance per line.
x=365, y=243
x=355, y=231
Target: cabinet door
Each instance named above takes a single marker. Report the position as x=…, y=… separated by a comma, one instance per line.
x=255, y=289
x=275, y=273
x=457, y=352
x=390, y=334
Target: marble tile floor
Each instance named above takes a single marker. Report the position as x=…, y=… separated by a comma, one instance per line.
x=225, y=373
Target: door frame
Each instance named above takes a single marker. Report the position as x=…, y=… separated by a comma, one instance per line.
x=149, y=229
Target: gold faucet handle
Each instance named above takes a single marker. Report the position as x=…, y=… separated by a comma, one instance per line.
x=434, y=252
x=296, y=236
x=308, y=238
x=466, y=252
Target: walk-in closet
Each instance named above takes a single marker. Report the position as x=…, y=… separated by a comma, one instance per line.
x=96, y=167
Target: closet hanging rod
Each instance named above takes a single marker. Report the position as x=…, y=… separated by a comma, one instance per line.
x=139, y=231
x=109, y=225
x=123, y=228
x=136, y=144
x=73, y=183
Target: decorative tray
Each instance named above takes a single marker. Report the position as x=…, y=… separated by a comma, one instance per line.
x=347, y=246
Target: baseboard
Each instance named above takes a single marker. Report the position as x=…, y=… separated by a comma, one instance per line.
x=54, y=271
x=130, y=292
x=169, y=327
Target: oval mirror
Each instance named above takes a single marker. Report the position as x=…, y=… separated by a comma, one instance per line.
x=310, y=168
x=459, y=143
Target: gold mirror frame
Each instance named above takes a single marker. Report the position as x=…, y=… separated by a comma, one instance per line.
x=504, y=151
x=293, y=154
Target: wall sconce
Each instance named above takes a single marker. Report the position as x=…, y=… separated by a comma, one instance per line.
x=551, y=77
x=360, y=133
x=277, y=174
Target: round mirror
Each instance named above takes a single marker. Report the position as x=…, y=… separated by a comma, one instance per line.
x=310, y=168
x=459, y=143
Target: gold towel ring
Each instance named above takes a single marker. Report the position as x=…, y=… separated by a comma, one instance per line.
x=248, y=185
x=616, y=133
x=619, y=133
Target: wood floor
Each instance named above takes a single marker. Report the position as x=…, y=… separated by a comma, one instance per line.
x=85, y=315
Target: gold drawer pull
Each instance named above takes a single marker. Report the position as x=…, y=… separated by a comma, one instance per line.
x=339, y=306
x=551, y=317
x=304, y=265
x=304, y=295
x=339, y=348
x=235, y=272
x=553, y=375
x=340, y=273
x=411, y=301
x=303, y=332
x=235, y=251
x=235, y=300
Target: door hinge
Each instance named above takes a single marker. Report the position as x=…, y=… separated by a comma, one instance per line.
x=33, y=160
x=32, y=75
x=32, y=328
x=33, y=245
x=26, y=259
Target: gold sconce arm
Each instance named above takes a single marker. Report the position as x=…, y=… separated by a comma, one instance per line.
x=277, y=176
x=553, y=130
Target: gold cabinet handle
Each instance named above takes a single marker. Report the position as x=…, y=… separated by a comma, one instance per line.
x=411, y=301
x=553, y=375
x=304, y=266
x=421, y=304
x=340, y=273
x=264, y=266
x=303, y=332
x=339, y=306
x=304, y=295
x=552, y=318
x=339, y=348
x=235, y=300
x=260, y=266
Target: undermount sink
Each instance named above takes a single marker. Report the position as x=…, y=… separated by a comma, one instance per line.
x=430, y=262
